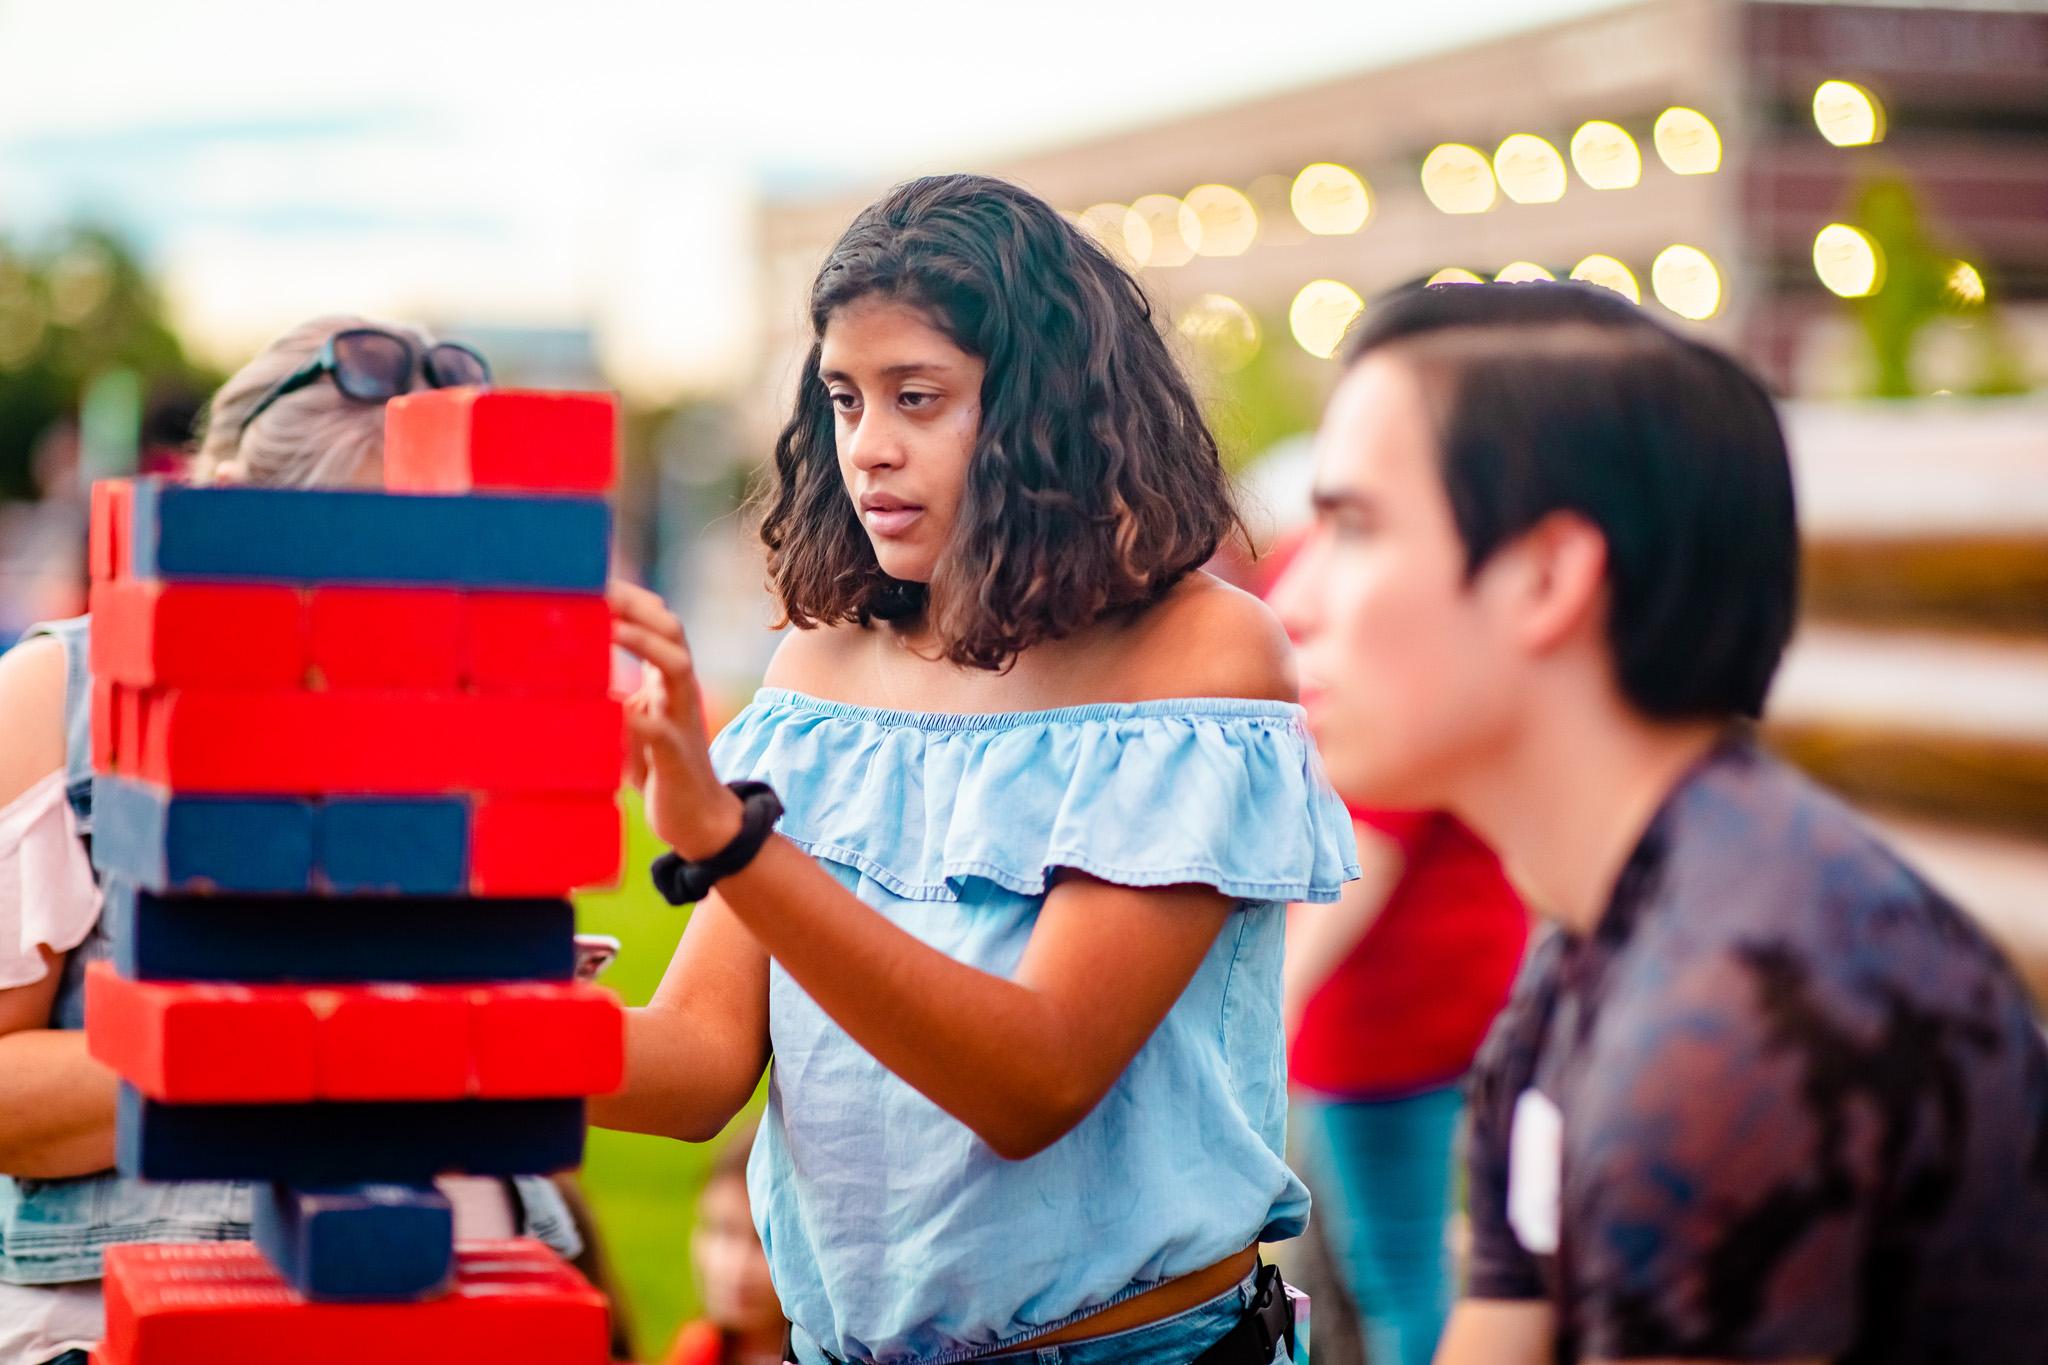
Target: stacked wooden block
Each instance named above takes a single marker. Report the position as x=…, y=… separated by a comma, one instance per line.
x=354, y=748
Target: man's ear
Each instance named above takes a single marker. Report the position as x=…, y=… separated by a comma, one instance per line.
x=1555, y=579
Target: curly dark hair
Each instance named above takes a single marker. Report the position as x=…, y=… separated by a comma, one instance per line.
x=1094, y=485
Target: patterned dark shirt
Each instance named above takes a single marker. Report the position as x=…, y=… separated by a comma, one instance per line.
x=1792, y=1104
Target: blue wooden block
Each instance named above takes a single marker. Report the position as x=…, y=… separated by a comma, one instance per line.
x=393, y=845
x=160, y=842
x=278, y=535
x=357, y=1243
x=258, y=939
x=339, y=1144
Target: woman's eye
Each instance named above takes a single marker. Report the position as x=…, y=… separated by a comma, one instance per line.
x=844, y=401
x=917, y=400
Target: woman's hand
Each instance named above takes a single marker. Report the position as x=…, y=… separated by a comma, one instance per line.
x=667, y=755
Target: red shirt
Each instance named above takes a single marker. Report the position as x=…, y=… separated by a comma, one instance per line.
x=1408, y=1007
x=699, y=1343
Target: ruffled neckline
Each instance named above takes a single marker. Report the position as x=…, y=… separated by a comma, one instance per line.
x=1220, y=791
x=1165, y=707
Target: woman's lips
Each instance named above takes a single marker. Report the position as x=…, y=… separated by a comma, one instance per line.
x=890, y=522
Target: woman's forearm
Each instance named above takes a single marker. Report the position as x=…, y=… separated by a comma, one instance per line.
x=681, y=1082
x=56, y=1106
x=1002, y=1057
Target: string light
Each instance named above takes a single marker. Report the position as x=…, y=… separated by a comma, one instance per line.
x=1458, y=179
x=1686, y=281
x=1849, y=262
x=1606, y=157
x=1320, y=314
x=1609, y=273
x=1847, y=114
x=1687, y=141
x=1330, y=200
x=1217, y=220
x=1529, y=169
x=1222, y=329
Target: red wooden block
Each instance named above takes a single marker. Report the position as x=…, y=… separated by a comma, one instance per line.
x=149, y=634
x=106, y=732
x=508, y=440
x=131, y=720
x=107, y=526
x=514, y=1303
x=387, y=637
x=544, y=846
x=548, y=1041
x=576, y=745
x=103, y=557
x=383, y=743
x=201, y=1043
x=538, y=642
x=391, y=1042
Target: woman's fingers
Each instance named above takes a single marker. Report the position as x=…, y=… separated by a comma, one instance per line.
x=670, y=656
x=631, y=602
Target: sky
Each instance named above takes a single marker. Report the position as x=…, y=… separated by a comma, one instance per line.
x=601, y=164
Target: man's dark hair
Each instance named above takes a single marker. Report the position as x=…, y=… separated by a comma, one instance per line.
x=1567, y=397
x=1094, y=485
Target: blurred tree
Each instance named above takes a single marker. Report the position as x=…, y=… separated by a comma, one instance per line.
x=73, y=309
x=1921, y=283
x=1262, y=401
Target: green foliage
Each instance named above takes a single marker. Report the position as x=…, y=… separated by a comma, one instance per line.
x=1267, y=400
x=72, y=309
x=1917, y=290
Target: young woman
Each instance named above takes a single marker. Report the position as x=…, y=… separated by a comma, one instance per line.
x=1016, y=951
x=308, y=411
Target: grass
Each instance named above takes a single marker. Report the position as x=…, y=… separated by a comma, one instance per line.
x=643, y=1190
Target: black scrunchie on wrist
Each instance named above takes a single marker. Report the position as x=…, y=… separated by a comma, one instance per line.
x=683, y=882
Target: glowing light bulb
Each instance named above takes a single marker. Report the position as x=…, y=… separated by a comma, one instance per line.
x=1458, y=179
x=1686, y=281
x=1609, y=273
x=1456, y=274
x=1847, y=114
x=1217, y=220
x=1687, y=141
x=1330, y=200
x=1966, y=284
x=1606, y=157
x=1522, y=272
x=1848, y=261
x=1529, y=169
x=1320, y=314
x=1161, y=213
x=1222, y=329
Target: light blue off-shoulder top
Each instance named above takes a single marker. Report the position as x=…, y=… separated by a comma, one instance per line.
x=894, y=1233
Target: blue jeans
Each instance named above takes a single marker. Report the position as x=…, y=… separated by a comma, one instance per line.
x=1381, y=1174
x=1170, y=1341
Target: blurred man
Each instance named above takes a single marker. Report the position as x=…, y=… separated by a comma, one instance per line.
x=1764, y=1094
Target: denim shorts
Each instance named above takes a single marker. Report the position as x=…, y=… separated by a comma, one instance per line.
x=1170, y=1341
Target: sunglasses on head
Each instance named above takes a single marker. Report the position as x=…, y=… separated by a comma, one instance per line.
x=371, y=365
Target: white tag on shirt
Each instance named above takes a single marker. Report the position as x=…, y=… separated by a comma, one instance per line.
x=1535, y=1172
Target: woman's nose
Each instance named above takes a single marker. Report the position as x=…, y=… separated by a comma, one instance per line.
x=874, y=445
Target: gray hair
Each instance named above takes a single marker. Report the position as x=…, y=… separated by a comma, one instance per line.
x=318, y=437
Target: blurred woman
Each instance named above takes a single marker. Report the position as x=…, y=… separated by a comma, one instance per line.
x=742, y=1322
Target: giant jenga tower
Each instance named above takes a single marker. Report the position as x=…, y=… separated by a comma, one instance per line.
x=353, y=748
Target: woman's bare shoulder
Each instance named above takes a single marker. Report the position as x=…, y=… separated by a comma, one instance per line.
x=32, y=698
x=815, y=661
x=1209, y=639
